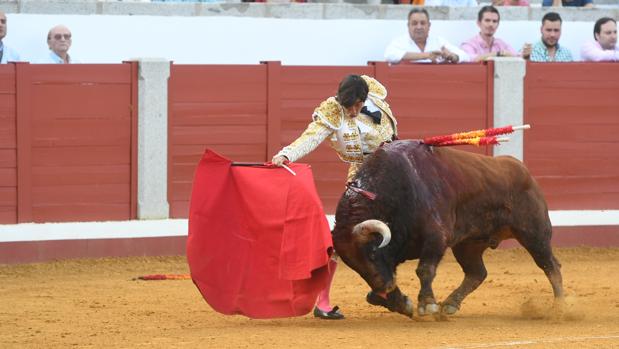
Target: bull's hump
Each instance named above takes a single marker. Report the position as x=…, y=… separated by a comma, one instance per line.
x=405, y=145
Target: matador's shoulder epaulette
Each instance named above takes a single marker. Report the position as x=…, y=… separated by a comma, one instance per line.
x=376, y=88
x=329, y=112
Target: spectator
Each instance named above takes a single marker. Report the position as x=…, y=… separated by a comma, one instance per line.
x=604, y=48
x=356, y=121
x=7, y=54
x=548, y=48
x=568, y=3
x=510, y=3
x=484, y=45
x=59, y=42
x=418, y=46
x=451, y=3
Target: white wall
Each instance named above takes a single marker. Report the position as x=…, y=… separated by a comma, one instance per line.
x=238, y=40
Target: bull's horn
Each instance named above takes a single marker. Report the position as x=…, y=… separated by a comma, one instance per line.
x=365, y=229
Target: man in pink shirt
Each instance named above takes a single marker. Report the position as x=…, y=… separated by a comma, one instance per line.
x=604, y=48
x=510, y=2
x=485, y=45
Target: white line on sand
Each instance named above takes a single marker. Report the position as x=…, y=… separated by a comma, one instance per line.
x=529, y=342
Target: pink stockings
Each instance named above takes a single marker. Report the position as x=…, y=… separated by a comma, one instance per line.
x=323, y=303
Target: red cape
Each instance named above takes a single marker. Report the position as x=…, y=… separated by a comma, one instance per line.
x=259, y=241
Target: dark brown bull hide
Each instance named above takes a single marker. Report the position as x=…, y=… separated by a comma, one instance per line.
x=429, y=199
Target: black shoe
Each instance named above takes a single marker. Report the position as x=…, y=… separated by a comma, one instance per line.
x=334, y=314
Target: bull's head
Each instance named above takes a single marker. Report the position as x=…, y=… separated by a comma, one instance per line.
x=361, y=250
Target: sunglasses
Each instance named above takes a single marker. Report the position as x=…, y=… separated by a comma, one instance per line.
x=60, y=36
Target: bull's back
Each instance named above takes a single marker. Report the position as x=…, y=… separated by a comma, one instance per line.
x=464, y=171
x=446, y=166
x=482, y=172
x=493, y=192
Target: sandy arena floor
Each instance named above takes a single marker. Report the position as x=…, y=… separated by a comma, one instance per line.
x=97, y=303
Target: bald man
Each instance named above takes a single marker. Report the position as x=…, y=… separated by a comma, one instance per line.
x=6, y=53
x=59, y=42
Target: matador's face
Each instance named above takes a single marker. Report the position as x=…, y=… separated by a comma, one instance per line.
x=355, y=109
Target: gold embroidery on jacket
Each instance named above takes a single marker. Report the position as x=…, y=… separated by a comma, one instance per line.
x=375, y=87
x=331, y=113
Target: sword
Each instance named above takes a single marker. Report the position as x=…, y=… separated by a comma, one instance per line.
x=262, y=164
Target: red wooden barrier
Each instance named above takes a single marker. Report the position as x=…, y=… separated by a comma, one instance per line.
x=431, y=100
x=8, y=145
x=67, y=144
x=573, y=146
x=73, y=128
x=222, y=107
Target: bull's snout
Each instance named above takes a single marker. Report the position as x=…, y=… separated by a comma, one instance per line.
x=395, y=301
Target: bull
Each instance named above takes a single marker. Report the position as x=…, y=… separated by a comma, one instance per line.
x=428, y=199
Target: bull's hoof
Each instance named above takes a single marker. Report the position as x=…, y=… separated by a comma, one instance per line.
x=448, y=309
x=428, y=309
x=408, y=308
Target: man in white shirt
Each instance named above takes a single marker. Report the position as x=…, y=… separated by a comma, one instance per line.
x=418, y=46
x=59, y=43
x=6, y=53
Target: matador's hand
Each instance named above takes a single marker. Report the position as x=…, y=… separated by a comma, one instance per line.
x=279, y=160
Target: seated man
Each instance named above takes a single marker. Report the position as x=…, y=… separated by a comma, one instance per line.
x=548, y=48
x=485, y=45
x=568, y=3
x=510, y=3
x=59, y=42
x=604, y=48
x=7, y=54
x=419, y=47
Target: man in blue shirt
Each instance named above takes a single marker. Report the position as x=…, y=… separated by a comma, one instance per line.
x=59, y=42
x=6, y=53
x=568, y=3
